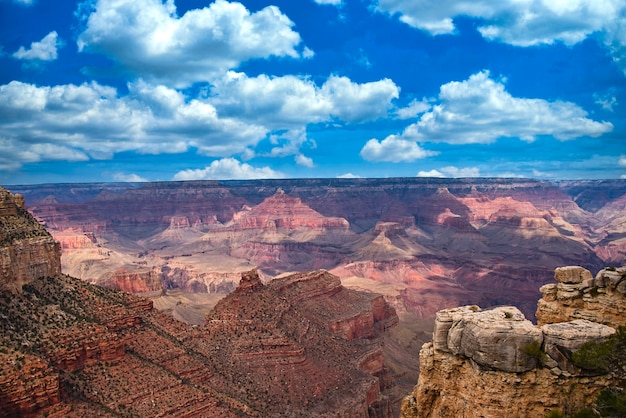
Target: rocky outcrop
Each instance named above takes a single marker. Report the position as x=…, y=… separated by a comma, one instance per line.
x=27, y=251
x=69, y=348
x=496, y=363
x=579, y=295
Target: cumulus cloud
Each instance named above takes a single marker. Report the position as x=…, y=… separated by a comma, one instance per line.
x=451, y=171
x=521, y=23
x=413, y=109
x=44, y=50
x=72, y=122
x=129, y=178
x=24, y=2
x=393, y=149
x=622, y=161
x=304, y=161
x=148, y=38
x=349, y=176
x=480, y=110
x=228, y=169
x=290, y=101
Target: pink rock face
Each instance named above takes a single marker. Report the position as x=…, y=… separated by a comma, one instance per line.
x=287, y=213
x=428, y=244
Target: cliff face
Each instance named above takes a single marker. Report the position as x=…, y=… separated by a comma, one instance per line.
x=457, y=241
x=27, y=251
x=496, y=363
x=579, y=295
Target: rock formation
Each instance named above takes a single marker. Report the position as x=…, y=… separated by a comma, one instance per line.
x=496, y=363
x=300, y=345
x=438, y=242
x=27, y=251
x=578, y=295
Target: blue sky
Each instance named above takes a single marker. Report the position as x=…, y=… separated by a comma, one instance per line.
x=136, y=90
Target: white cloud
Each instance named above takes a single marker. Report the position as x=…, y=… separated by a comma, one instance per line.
x=413, y=109
x=451, y=171
x=349, y=176
x=393, y=149
x=431, y=173
x=228, y=169
x=353, y=102
x=332, y=2
x=304, y=161
x=149, y=39
x=480, y=110
x=606, y=101
x=521, y=22
x=623, y=177
x=622, y=161
x=290, y=101
x=129, y=178
x=24, y=2
x=44, y=50
x=72, y=122
x=537, y=173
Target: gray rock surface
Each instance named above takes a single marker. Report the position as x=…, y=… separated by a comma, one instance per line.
x=495, y=338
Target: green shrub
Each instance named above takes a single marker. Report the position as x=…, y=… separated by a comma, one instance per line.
x=612, y=403
x=534, y=350
x=555, y=413
x=593, y=356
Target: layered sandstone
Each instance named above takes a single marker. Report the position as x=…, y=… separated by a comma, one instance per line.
x=69, y=348
x=27, y=251
x=495, y=363
x=579, y=295
x=476, y=237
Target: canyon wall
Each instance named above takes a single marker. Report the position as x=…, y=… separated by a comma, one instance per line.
x=496, y=363
x=27, y=251
x=301, y=345
x=429, y=244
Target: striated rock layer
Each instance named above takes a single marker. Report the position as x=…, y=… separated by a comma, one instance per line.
x=302, y=345
x=496, y=363
x=437, y=243
x=579, y=295
x=27, y=251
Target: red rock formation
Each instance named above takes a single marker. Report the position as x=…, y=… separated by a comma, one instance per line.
x=69, y=348
x=27, y=251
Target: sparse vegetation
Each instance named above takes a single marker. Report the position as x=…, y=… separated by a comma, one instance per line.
x=534, y=350
x=603, y=357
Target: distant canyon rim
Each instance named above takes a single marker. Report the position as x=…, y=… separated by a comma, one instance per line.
x=425, y=244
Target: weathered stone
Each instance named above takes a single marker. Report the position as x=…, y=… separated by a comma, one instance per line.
x=561, y=339
x=571, y=274
x=603, y=302
x=495, y=338
x=566, y=291
x=443, y=322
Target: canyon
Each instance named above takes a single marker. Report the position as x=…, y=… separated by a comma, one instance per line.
x=424, y=244
x=427, y=244
x=301, y=344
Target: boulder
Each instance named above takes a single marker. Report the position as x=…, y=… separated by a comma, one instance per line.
x=563, y=338
x=495, y=339
x=443, y=323
x=571, y=274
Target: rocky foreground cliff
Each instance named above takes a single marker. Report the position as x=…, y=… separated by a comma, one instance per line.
x=300, y=345
x=495, y=363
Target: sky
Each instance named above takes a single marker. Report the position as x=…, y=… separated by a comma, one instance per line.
x=158, y=90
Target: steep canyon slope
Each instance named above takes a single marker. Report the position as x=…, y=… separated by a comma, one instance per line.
x=300, y=345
